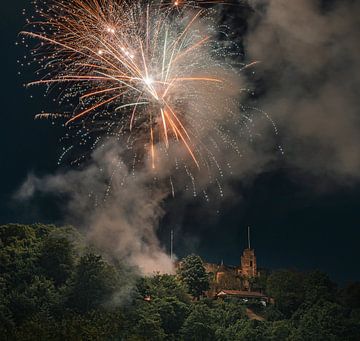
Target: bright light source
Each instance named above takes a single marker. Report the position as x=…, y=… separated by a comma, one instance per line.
x=148, y=80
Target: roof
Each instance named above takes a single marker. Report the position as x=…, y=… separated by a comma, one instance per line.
x=241, y=293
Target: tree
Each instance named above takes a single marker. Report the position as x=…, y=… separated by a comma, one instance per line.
x=227, y=312
x=93, y=285
x=143, y=322
x=317, y=287
x=247, y=330
x=18, y=254
x=199, y=325
x=280, y=330
x=39, y=296
x=94, y=325
x=25, y=290
x=286, y=287
x=161, y=286
x=6, y=318
x=193, y=274
x=172, y=313
x=49, y=292
x=272, y=313
x=350, y=295
x=36, y=265
x=325, y=321
x=148, y=327
x=57, y=258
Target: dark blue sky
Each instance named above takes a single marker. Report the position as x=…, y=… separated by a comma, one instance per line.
x=292, y=225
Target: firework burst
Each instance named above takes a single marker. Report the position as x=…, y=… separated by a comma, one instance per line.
x=160, y=82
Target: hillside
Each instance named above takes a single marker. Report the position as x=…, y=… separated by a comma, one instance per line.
x=56, y=287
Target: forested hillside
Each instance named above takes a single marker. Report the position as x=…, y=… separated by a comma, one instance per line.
x=56, y=287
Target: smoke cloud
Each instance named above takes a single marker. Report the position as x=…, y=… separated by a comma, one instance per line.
x=121, y=211
x=117, y=196
x=311, y=69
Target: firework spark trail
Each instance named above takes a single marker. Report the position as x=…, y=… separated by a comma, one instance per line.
x=138, y=69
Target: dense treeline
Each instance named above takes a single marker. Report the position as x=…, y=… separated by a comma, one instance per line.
x=55, y=287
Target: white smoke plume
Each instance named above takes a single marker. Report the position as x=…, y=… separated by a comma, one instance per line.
x=120, y=204
x=311, y=68
x=121, y=223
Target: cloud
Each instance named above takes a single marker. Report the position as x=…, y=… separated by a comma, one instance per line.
x=122, y=223
x=311, y=69
x=117, y=197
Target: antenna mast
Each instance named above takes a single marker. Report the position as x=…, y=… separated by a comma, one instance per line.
x=249, y=245
x=171, y=243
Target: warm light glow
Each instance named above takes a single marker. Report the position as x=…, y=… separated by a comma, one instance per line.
x=144, y=74
x=148, y=80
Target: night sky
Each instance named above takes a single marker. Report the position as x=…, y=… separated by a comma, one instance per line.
x=293, y=224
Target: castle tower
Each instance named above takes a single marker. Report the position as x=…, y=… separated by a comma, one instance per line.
x=248, y=266
x=248, y=263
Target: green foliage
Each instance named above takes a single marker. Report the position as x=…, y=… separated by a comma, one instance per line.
x=57, y=258
x=45, y=283
x=172, y=313
x=160, y=286
x=350, y=295
x=39, y=296
x=94, y=282
x=228, y=312
x=280, y=330
x=318, y=287
x=20, y=250
x=245, y=330
x=91, y=326
x=143, y=322
x=259, y=283
x=168, y=299
x=192, y=273
x=200, y=324
x=52, y=288
x=286, y=287
x=148, y=327
x=212, y=320
x=272, y=313
x=324, y=321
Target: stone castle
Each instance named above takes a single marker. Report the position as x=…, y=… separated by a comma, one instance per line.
x=242, y=281
x=239, y=277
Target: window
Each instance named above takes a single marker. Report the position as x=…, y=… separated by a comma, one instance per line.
x=251, y=263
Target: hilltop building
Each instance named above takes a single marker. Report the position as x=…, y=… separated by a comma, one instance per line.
x=241, y=281
x=236, y=280
x=239, y=277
